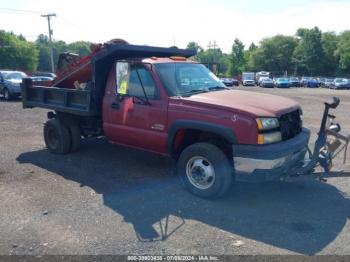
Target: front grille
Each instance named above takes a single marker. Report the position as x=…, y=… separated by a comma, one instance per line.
x=290, y=124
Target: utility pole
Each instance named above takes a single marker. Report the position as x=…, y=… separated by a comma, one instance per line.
x=213, y=46
x=50, y=39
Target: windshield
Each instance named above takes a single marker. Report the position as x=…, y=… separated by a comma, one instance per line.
x=282, y=79
x=248, y=76
x=294, y=79
x=182, y=79
x=15, y=76
x=4, y=74
x=339, y=80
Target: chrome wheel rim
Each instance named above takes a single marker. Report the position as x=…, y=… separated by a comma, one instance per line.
x=200, y=172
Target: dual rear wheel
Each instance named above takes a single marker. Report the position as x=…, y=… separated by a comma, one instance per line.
x=61, y=139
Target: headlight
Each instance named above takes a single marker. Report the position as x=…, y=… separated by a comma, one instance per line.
x=269, y=138
x=267, y=123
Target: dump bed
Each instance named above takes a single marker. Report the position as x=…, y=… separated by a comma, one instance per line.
x=88, y=102
x=73, y=101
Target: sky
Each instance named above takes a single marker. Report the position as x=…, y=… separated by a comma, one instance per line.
x=172, y=22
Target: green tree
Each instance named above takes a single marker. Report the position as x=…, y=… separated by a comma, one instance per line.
x=81, y=48
x=215, y=60
x=42, y=43
x=274, y=54
x=252, y=47
x=17, y=53
x=194, y=46
x=309, y=56
x=236, y=59
x=329, y=42
x=343, y=52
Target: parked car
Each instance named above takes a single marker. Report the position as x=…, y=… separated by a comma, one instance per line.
x=45, y=74
x=266, y=82
x=229, y=81
x=235, y=82
x=294, y=81
x=328, y=82
x=10, y=83
x=311, y=82
x=261, y=75
x=41, y=78
x=282, y=82
x=248, y=79
x=341, y=83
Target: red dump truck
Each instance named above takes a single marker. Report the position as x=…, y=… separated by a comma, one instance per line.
x=158, y=100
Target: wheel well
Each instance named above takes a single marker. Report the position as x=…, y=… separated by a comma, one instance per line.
x=87, y=125
x=186, y=137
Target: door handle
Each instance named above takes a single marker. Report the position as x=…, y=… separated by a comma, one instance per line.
x=115, y=105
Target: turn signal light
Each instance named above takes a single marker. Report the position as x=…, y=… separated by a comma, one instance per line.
x=260, y=139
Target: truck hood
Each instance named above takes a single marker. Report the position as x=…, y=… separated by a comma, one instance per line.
x=251, y=103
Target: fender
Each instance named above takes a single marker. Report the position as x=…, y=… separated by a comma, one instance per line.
x=220, y=130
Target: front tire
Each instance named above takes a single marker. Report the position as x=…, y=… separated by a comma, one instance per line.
x=205, y=170
x=7, y=94
x=57, y=137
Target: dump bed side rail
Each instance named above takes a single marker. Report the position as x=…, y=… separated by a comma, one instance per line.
x=77, y=102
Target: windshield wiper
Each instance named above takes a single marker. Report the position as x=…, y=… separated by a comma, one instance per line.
x=195, y=91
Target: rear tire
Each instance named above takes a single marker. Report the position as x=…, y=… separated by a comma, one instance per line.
x=57, y=137
x=205, y=170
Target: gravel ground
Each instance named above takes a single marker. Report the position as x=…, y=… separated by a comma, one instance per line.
x=108, y=199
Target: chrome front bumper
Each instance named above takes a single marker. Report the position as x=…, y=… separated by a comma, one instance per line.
x=270, y=162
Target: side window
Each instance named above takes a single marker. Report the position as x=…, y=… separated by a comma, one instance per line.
x=135, y=86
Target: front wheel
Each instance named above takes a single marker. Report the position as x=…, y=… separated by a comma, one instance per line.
x=205, y=170
x=7, y=94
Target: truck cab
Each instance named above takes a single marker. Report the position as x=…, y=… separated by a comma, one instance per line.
x=168, y=104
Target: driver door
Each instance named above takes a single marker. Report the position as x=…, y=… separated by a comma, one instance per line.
x=137, y=116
